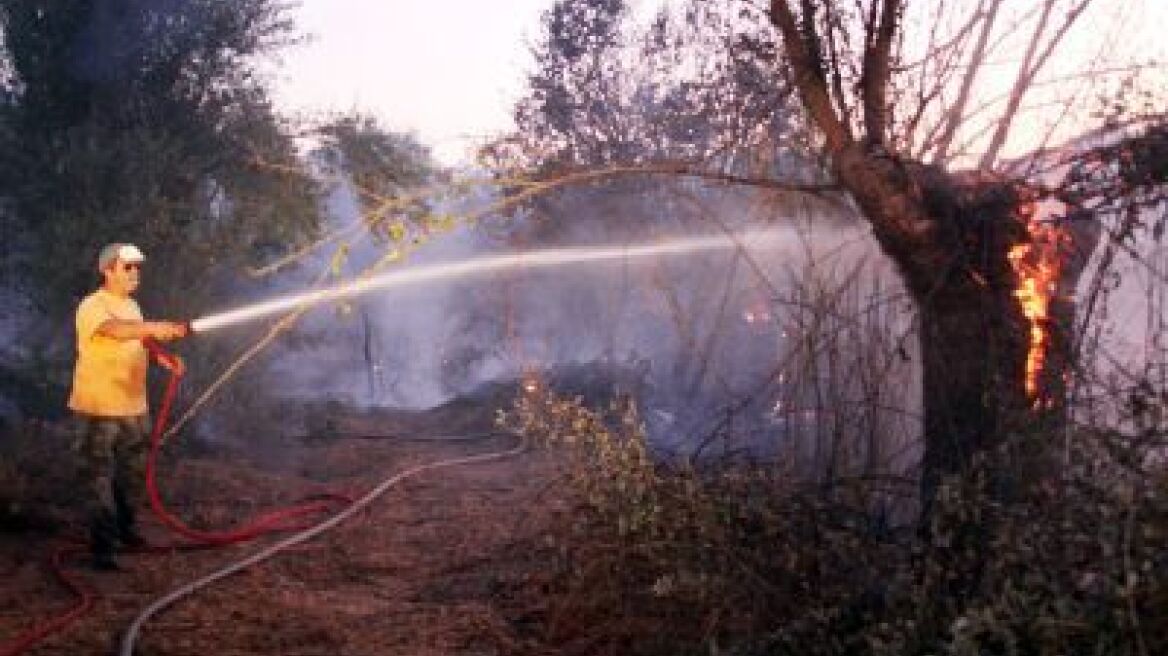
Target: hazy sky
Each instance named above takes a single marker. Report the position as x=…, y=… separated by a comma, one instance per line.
x=447, y=69
x=450, y=70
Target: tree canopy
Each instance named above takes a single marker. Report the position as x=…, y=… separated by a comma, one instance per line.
x=143, y=121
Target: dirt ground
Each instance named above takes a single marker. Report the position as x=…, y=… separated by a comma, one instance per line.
x=428, y=569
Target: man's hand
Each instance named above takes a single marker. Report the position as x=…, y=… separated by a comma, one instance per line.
x=165, y=331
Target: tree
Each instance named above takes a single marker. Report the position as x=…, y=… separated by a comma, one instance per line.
x=144, y=120
x=962, y=241
x=386, y=169
x=891, y=116
x=675, y=94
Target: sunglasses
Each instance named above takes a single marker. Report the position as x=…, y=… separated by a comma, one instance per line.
x=131, y=266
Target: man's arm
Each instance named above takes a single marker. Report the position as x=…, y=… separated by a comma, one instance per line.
x=125, y=329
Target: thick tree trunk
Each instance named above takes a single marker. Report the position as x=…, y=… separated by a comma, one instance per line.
x=973, y=348
x=950, y=237
x=974, y=336
x=977, y=343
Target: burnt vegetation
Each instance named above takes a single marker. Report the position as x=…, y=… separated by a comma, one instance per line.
x=878, y=441
x=1032, y=518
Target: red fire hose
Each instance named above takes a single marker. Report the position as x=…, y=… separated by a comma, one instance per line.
x=85, y=601
x=278, y=520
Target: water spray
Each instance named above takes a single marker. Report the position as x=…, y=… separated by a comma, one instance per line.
x=452, y=270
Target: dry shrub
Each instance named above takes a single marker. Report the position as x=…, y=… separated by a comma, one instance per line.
x=1074, y=564
x=38, y=475
x=674, y=560
x=12, y=490
x=744, y=559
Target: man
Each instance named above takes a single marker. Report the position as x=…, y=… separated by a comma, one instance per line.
x=109, y=399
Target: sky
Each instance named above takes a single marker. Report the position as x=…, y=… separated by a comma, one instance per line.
x=447, y=70
x=450, y=70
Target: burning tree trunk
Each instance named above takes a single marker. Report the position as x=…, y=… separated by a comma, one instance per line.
x=993, y=283
x=952, y=238
x=983, y=273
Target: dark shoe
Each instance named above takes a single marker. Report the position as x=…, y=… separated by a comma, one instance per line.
x=103, y=544
x=105, y=563
x=133, y=540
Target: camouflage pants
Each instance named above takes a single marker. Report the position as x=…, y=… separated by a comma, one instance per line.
x=112, y=451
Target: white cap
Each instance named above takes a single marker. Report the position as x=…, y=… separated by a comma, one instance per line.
x=118, y=252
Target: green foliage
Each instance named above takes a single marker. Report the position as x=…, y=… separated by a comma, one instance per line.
x=696, y=84
x=378, y=161
x=144, y=121
x=625, y=495
x=386, y=169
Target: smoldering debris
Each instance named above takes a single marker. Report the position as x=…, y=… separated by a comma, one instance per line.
x=597, y=384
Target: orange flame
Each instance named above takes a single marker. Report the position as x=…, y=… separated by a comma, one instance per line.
x=1037, y=264
x=531, y=382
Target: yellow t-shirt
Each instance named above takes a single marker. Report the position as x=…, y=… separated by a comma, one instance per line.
x=110, y=377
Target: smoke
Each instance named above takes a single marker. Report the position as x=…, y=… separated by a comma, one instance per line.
x=804, y=346
x=742, y=341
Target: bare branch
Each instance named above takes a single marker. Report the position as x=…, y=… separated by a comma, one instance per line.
x=535, y=188
x=953, y=118
x=1026, y=75
x=837, y=83
x=876, y=72
x=808, y=76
